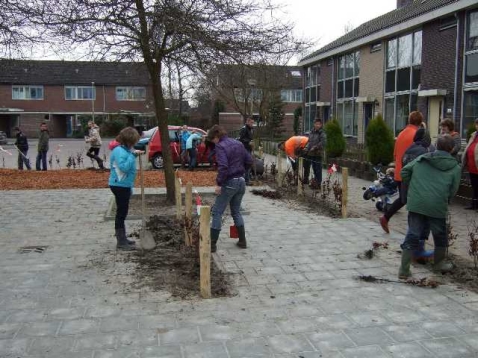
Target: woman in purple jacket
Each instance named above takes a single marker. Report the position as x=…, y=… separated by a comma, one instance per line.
x=232, y=162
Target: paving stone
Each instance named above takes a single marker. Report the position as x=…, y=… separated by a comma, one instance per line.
x=442, y=329
x=162, y=352
x=9, y=330
x=79, y=326
x=471, y=340
x=27, y=316
x=119, y=353
x=141, y=338
x=367, y=319
x=179, y=336
x=403, y=316
x=94, y=341
x=158, y=321
x=49, y=345
x=364, y=352
x=65, y=313
x=406, y=333
x=102, y=312
x=258, y=329
x=408, y=350
x=249, y=347
x=297, y=325
x=368, y=336
x=330, y=341
x=113, y=324
x=14, y=347
x=205, y=350
x=303, y=311
x=289, y=344
x=447, y=347
x=218, y=333
x=40, y=329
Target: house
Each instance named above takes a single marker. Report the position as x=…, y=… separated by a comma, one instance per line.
x=421, y=56
x=59, y=92
x=243, y=91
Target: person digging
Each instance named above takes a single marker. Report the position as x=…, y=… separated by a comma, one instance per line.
x=232, y=162
x=94, y=140
x=427, y=202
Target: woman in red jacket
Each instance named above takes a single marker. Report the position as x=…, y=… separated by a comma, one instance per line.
x=470, y=161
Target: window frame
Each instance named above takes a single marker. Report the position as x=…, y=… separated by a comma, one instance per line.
x=128, y=90
x=28, y=88
x=76, y=90
x=344, y=101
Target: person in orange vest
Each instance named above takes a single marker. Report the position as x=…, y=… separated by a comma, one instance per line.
x=403, y=142
x=294, y=148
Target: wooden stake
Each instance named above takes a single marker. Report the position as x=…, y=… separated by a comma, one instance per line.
x=345, y=191
x=177, y=186
x=279, y=169
x=205, y=251
x=188, y=218
x=300, y=186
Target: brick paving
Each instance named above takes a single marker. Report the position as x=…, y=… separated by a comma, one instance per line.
x=296, y=291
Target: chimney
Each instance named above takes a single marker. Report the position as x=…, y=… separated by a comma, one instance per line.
x=403, y=3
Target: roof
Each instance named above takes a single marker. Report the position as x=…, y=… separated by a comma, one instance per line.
x=79, y=73
x=392, y=18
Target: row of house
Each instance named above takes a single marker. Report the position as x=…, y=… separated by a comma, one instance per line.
x=421, y=56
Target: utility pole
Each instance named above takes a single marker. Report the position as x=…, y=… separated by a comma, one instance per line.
x=93, y=101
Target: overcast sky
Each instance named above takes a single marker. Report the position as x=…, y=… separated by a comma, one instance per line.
x=325, y=20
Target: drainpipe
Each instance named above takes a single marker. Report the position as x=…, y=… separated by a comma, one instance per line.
x=463, y=74
x=457, y=50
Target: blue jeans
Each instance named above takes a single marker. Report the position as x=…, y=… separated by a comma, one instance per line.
x=316, y=163
x=192, y=158
x=22, y=158
x=231, y=193
x=41, y=158
x=122, y=196
x=418, y=225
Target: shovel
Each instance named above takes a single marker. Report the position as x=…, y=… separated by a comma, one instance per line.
x=146, y=239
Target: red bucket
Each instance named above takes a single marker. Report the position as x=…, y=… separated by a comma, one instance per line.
x=233, y=234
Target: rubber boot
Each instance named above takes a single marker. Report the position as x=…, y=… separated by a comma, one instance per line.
x=440, y=264
x=421, y=255
x=123, y=233
x=100, y=163
x=242, y=237
x=404, y=270
x=122, y=241
x=214, y=237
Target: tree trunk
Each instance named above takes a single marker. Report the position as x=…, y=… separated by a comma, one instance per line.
x=180, y=96
x=162, y=120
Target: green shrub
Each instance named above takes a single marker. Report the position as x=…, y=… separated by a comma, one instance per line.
x=470, y=130
x=379, y=142
x=297, y=115
x=335, y=139
x=111, y=128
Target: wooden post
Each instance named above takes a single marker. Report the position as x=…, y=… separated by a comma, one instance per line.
x=279, y=169
x=205, y=252
x=300, y=186
x=345, y=191
x=189, y=207
x=177, y=187
x=261, y=152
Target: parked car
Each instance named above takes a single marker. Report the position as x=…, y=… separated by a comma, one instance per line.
x=156, y=151
x=3, y=137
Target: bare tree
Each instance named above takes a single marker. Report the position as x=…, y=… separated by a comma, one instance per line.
x=196, y=33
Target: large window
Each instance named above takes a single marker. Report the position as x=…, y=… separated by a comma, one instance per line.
x=80, y=93
x=347, y=90
x=294, y=95
x=27, y=92
x=471, y=72
x=312, y=95
x=130, y=93
x=402, y=78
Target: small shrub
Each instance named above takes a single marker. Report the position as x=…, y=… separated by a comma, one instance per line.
x=111, y=128
x=335, y=139
x=379, y=142
x=469, y=131
x=297, y=115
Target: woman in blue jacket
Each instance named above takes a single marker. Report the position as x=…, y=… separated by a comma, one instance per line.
x=121, y=182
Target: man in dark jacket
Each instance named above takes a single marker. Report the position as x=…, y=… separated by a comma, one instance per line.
x=232, y=162
x=433, y=179
x=43, y=141
x=314, y=149
x=22, y=146
x=246, y=137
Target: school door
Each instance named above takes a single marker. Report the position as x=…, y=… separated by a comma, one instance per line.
x=435, y=113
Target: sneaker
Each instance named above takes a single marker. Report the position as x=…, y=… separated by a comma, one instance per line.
x=384, y=224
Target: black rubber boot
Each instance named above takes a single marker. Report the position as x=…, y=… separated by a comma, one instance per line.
x=214, y=237
x=130, y=242
x=242, y=237
x=100, y=163
x=122, y=241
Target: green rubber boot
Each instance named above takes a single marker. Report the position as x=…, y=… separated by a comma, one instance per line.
x=404, y=270
x=214, y=237
x=242, y=237
x=440, y=264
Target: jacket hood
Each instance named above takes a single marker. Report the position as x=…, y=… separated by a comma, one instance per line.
x=440, y=160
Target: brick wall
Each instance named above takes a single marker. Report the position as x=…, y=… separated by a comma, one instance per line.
x=326, y=72
x=438, y=62
x=371, y=83
x=234, y=122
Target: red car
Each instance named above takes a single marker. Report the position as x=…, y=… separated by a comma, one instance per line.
x=156, y=149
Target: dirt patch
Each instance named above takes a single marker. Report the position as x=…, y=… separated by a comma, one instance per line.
x=464, y=274
x=157, y=204
x=172, y=266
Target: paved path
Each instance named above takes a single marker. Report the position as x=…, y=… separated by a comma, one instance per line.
x=297, y=296
x=461, y=219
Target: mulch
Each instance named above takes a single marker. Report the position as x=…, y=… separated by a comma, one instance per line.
x=11, y=179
